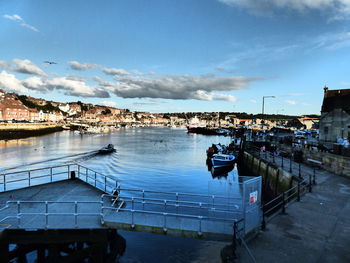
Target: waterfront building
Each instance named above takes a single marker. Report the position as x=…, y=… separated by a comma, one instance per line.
x=12, y=109
x=309, y=123
x=335, y=115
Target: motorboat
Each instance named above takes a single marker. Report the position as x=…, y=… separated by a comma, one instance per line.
x=222, y=160
x=108, y=149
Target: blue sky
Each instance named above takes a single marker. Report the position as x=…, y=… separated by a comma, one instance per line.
x=174, y=56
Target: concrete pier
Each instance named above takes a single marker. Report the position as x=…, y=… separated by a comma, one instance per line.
x=315, y=230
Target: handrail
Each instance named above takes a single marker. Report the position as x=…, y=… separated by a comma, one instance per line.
x=176, y=202
x=176, y=193
x=27, y=176
x=170, y=214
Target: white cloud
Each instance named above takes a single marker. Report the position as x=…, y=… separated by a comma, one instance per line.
x=179, y=87
x=290, y=102
x=72, y=87
x=15, y=17
x=336, y=9
x=18, y=19
x=81, y=66
x=109, y=103
x=24, y=66
x=9, y=82
x=115, y=71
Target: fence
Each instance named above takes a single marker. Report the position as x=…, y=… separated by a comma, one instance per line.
x=52, y=214
x=28, y=178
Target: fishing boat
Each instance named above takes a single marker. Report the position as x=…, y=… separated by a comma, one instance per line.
x=108, y=149
x=222, y=160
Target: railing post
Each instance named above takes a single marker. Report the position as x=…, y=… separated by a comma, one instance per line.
x=177, y=203
x=86, y=174
x=298, y=192
x=132, y=203
x=282, y=161
x=106, y=184
x=200, y=208
x=283, y=203
x=273, y=157
x=310, y=184
x=76, y=214
x=290, y=164
x=51, y=174
x=234, y=238
x=95, y=179
x=19, y=213
x=46, y=214
x=4, y=182
x=28, y=178
x=200, y=225
x=68, y=172
x=299, y=170
x=78, y=171
x=164, y=227
x=165, y=205
x=263, y=223
x=143, y=199
x=132, y=219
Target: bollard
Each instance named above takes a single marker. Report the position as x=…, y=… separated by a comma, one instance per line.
x=72, y=175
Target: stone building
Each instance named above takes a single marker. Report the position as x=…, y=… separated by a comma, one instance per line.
x=335, y=115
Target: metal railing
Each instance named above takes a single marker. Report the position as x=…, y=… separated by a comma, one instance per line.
x=22, y=179
x=103, y=182
x=305, y=181
x=133, y=221
x=21, y=209
x=178, y=196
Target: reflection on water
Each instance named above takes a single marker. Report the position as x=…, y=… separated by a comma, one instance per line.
x=148, y=158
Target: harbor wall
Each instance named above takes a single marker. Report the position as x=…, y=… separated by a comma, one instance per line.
x=275, y=180
x=22, y=130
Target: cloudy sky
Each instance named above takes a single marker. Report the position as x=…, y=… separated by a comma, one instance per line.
x=174, y=56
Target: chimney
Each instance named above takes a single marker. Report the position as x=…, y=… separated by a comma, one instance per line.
x=325, y=89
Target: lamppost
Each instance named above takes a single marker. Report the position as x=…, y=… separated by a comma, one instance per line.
x=263, y=105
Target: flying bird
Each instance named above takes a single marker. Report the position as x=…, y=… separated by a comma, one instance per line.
x=50, y=62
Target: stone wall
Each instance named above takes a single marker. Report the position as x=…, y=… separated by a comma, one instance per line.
x=274, y=178
x=337, y=164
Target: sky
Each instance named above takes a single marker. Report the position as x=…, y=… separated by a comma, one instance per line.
x=177, y=56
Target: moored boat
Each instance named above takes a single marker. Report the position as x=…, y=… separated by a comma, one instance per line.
x=222, y=160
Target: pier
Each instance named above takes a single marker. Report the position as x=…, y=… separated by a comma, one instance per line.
x=74, y=197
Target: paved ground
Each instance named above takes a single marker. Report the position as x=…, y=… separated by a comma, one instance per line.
x=317, y=229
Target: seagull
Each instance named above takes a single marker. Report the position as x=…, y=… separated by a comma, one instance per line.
x=50, y=62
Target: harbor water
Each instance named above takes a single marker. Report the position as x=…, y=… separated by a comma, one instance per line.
x=160, y=159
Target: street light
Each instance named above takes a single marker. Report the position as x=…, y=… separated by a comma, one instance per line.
x=263, y=105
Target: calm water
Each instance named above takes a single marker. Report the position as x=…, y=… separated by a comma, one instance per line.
x=148, y=158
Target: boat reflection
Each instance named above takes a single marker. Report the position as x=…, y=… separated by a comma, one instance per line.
x=220, y=172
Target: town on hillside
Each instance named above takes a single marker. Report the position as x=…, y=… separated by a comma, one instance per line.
x=20, y=108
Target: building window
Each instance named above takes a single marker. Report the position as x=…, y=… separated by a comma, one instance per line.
x=325, y=130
